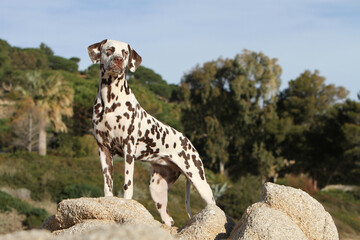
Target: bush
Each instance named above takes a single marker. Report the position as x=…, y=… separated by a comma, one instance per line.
x=85, y=146
x=301, y=181
x=34, y=216
x=81, y=190
x=60, y=63
x=240, y=196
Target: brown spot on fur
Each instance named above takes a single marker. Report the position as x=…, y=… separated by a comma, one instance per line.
x=163, y=138
x=124, y=53
x=129, y=159
x=107, y=125
x=186, y=158
x=184, y=142
x=158, y=205
x=198, y=164
x=109, y=93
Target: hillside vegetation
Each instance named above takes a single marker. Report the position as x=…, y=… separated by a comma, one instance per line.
x=246, y=130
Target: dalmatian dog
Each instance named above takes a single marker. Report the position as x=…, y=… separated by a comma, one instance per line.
x=121, y=126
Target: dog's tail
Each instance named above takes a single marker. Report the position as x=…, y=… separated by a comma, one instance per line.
x=187, y=198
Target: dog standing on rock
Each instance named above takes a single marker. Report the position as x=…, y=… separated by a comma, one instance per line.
x=121, y=126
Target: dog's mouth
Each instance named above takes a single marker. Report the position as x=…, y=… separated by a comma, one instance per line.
x=115, y=68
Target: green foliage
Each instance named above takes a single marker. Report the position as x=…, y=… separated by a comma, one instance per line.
x=34, y=216
x=28, y=59
x=48, y=176
x=85, y=91
x=240, y=195
x=60, y=63
x=154, y=82
x=166, y=112
x=308, y=97
x=81, y=190
x=5, y=134
x=344, y=207
x=228, y=104
x=93, y=71
x=75, y=146
x=46, y=49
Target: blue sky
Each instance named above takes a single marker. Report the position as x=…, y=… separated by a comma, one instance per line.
x=173, y=36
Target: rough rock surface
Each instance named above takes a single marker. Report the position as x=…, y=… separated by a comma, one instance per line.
x=281, y=213
x=262, y=222
x=307, y=214
x=74, y=211
x=85, y=226
x=28, y=235
x=118, y=232
x=210, y=223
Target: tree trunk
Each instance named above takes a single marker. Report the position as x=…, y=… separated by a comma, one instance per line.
x=222, y=168
x=29, y=147
x=42, y=139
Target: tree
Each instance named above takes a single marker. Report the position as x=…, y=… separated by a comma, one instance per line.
x=308, y=97
x=306, y=105
x=147, y=77
x=227, y=105
x=342, y=142
x=60, y=63
x=46, y=49
x=52, y=99
x=25, y=124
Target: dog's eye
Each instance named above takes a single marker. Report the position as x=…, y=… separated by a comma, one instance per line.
x=110, y=51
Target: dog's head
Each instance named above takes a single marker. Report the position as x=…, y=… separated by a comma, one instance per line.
x=114, y=56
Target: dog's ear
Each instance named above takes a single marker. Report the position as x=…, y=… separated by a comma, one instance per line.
x=94, y=51
x=134, y=59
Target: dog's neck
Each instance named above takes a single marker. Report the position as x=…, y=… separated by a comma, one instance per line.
x=113, y=88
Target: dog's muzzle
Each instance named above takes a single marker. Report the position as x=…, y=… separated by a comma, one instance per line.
x=117, y=65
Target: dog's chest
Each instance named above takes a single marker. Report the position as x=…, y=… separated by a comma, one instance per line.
x=111, y=121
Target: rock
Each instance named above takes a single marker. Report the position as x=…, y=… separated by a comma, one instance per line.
x=74, y=211
x=21, y=193
x=303, y=209
x=262, y=222
x=28, y=235
x=210, y=223
x=85, y=226
x=280, y=208
x=119, y=232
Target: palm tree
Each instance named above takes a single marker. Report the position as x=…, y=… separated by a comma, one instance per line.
x=52, y=99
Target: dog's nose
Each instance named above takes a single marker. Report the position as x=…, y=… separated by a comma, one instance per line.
x=118, y=60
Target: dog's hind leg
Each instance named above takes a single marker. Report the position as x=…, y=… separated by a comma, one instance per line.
x=162, y=177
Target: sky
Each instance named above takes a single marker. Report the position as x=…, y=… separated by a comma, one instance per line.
x=173, y=36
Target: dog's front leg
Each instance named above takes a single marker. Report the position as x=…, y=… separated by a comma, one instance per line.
x=129, y=160
x=106, y=161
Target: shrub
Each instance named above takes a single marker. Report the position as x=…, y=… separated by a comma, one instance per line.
x=240, y=196
x=85, y=146
x=301, y=181
x=34, y=216
x=80, y=190
x=60, y=63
